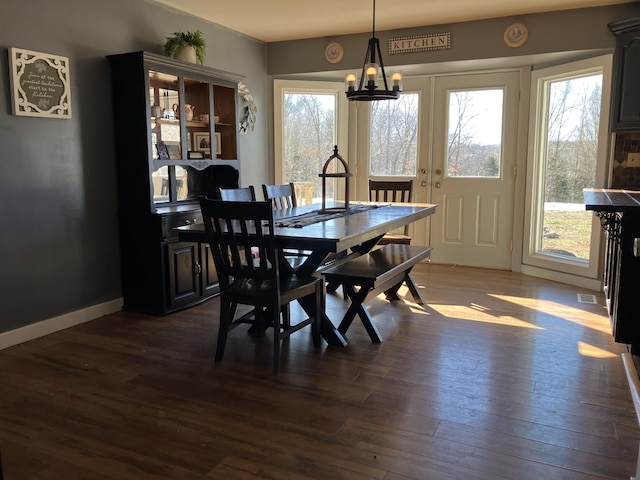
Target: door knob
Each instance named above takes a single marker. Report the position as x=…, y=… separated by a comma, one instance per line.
x=438, y=172
x=438, y=185
x=423, y=183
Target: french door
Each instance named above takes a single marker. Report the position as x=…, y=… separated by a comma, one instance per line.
x=454, y=136
x=473, y=168
x=393, y=144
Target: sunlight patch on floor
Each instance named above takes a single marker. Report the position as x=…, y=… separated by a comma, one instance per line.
x=595, y=352
x=475, y=313
x=580, y=317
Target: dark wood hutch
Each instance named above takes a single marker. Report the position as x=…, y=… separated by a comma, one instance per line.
x=176, y=139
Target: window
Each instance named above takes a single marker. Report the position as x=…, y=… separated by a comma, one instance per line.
x=475, y=133
x=568, y=153
x=394, y=136
x=306, y=131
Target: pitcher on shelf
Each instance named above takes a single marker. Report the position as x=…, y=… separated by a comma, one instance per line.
x=188, y=111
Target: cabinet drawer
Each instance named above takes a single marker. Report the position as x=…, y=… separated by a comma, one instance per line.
x=170, y=221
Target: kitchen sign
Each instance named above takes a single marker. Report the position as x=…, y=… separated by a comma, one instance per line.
x=39, y=84
x=420, y=43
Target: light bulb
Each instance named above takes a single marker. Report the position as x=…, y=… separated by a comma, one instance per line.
x=371, y=71
x=351, y=82
x=397, y=81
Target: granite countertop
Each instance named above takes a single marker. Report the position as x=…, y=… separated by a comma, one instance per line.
x=610, y=200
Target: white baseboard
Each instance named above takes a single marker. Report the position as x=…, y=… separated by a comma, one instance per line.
x=45, y=327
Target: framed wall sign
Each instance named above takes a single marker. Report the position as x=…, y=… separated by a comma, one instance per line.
x=39, y=84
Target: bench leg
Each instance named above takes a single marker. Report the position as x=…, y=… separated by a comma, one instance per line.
x=413, y=289
x=357, y=308
x=392, y=293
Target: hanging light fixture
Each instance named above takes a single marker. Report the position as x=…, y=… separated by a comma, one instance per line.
x=368, y=86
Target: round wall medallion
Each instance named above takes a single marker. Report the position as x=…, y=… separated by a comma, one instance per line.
x=334, y=52
x=516, y=35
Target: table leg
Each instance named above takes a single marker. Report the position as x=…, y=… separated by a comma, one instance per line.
x=328, y=331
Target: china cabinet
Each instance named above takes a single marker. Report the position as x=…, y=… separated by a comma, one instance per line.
x=626, y=76
x=176, y=137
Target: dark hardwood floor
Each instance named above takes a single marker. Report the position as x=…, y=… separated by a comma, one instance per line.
x=501, y=376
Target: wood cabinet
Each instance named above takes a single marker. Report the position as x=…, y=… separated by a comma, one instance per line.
x=176, y=136
x=625, y=115
x=619, y=213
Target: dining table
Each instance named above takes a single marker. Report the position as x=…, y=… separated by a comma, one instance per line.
x=330, y=236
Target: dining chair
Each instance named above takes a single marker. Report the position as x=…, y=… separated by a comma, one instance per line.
x=240, y=194
x=392, y=191
x=233, y=228
x=244, y=194
x=283, y=196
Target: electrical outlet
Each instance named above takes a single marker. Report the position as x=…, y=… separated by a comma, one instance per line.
x=633, y=160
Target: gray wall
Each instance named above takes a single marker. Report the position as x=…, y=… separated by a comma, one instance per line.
x=59, y=242
x=474, y=45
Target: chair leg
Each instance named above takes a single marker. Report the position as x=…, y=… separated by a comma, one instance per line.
x=320, y=308
x=227, y=310
x=286, y=315
x=276, y=312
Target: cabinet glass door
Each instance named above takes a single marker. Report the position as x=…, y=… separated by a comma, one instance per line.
x=164, y=97
x=198, y=118
x=166, y=134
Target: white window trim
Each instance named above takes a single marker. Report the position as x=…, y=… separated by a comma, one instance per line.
x=580, y=273
x=280, y=88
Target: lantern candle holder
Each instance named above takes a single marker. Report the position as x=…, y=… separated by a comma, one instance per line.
x=338, y=160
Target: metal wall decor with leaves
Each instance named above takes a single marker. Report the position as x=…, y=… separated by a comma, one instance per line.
x=248, y=118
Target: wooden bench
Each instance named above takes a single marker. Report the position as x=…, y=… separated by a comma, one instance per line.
x=382, y=270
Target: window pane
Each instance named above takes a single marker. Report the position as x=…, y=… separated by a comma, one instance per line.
x=394, y=136
x=573, y=120
x=309, y=137
x=475, y=133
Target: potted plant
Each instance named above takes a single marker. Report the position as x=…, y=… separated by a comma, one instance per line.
x=182, y=40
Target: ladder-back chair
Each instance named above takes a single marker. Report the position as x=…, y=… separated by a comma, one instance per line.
x=245, y=194
x=283, y=196
x=234, y=230
x=392, y=191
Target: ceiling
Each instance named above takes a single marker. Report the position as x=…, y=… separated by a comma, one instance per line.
x=279, y=20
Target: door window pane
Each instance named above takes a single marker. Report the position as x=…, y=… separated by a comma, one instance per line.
x=309, y=135
x=475, y=133
x=394, y=136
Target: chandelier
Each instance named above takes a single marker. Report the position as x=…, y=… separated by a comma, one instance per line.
x=368, y=86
